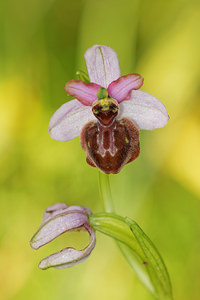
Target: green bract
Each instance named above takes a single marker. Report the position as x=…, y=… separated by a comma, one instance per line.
x=139, y=251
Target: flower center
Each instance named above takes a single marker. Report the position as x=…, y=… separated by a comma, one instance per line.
x=105, y=110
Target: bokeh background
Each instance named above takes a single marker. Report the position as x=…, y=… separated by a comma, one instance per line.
x=41, y=46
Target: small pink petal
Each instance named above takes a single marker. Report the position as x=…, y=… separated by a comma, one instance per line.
x=69, y=257
x=145, y=110
x=121, y=88
x=86, y=93
x=67, y=122
x=102, y=65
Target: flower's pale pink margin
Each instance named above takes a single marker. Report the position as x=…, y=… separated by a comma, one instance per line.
x=57, y=219
x=145, y=110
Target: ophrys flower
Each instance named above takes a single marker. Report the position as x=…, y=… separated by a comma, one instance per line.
x=58, y=219
x=107, y=112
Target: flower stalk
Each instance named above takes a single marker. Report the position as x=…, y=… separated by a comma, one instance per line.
x=105, y=192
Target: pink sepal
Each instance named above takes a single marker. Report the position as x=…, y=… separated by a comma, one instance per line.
x=68, y=121
x=69, y=257
x=102, y=64
x=145, y=110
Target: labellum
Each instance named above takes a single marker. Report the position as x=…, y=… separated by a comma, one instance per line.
x=109, y=143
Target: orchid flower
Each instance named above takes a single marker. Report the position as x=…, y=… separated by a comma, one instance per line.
x=107, y=113
x=57, y=219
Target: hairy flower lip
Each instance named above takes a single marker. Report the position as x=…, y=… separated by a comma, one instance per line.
x=58, y=219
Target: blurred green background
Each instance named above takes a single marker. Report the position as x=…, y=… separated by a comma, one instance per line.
x=41, y=46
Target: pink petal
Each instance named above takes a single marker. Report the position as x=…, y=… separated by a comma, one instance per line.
x=121, y=88
x=67, y=122
x=86, y=93
x=145, y=110
x=102, y=65
x=69, y=257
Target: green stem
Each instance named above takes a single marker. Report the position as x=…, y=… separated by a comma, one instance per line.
x=105, y=192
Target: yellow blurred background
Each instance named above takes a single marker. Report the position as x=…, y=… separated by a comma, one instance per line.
x=41, y=47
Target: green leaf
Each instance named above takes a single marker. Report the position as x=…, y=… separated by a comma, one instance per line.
x=139, y=251
x=155, y=265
